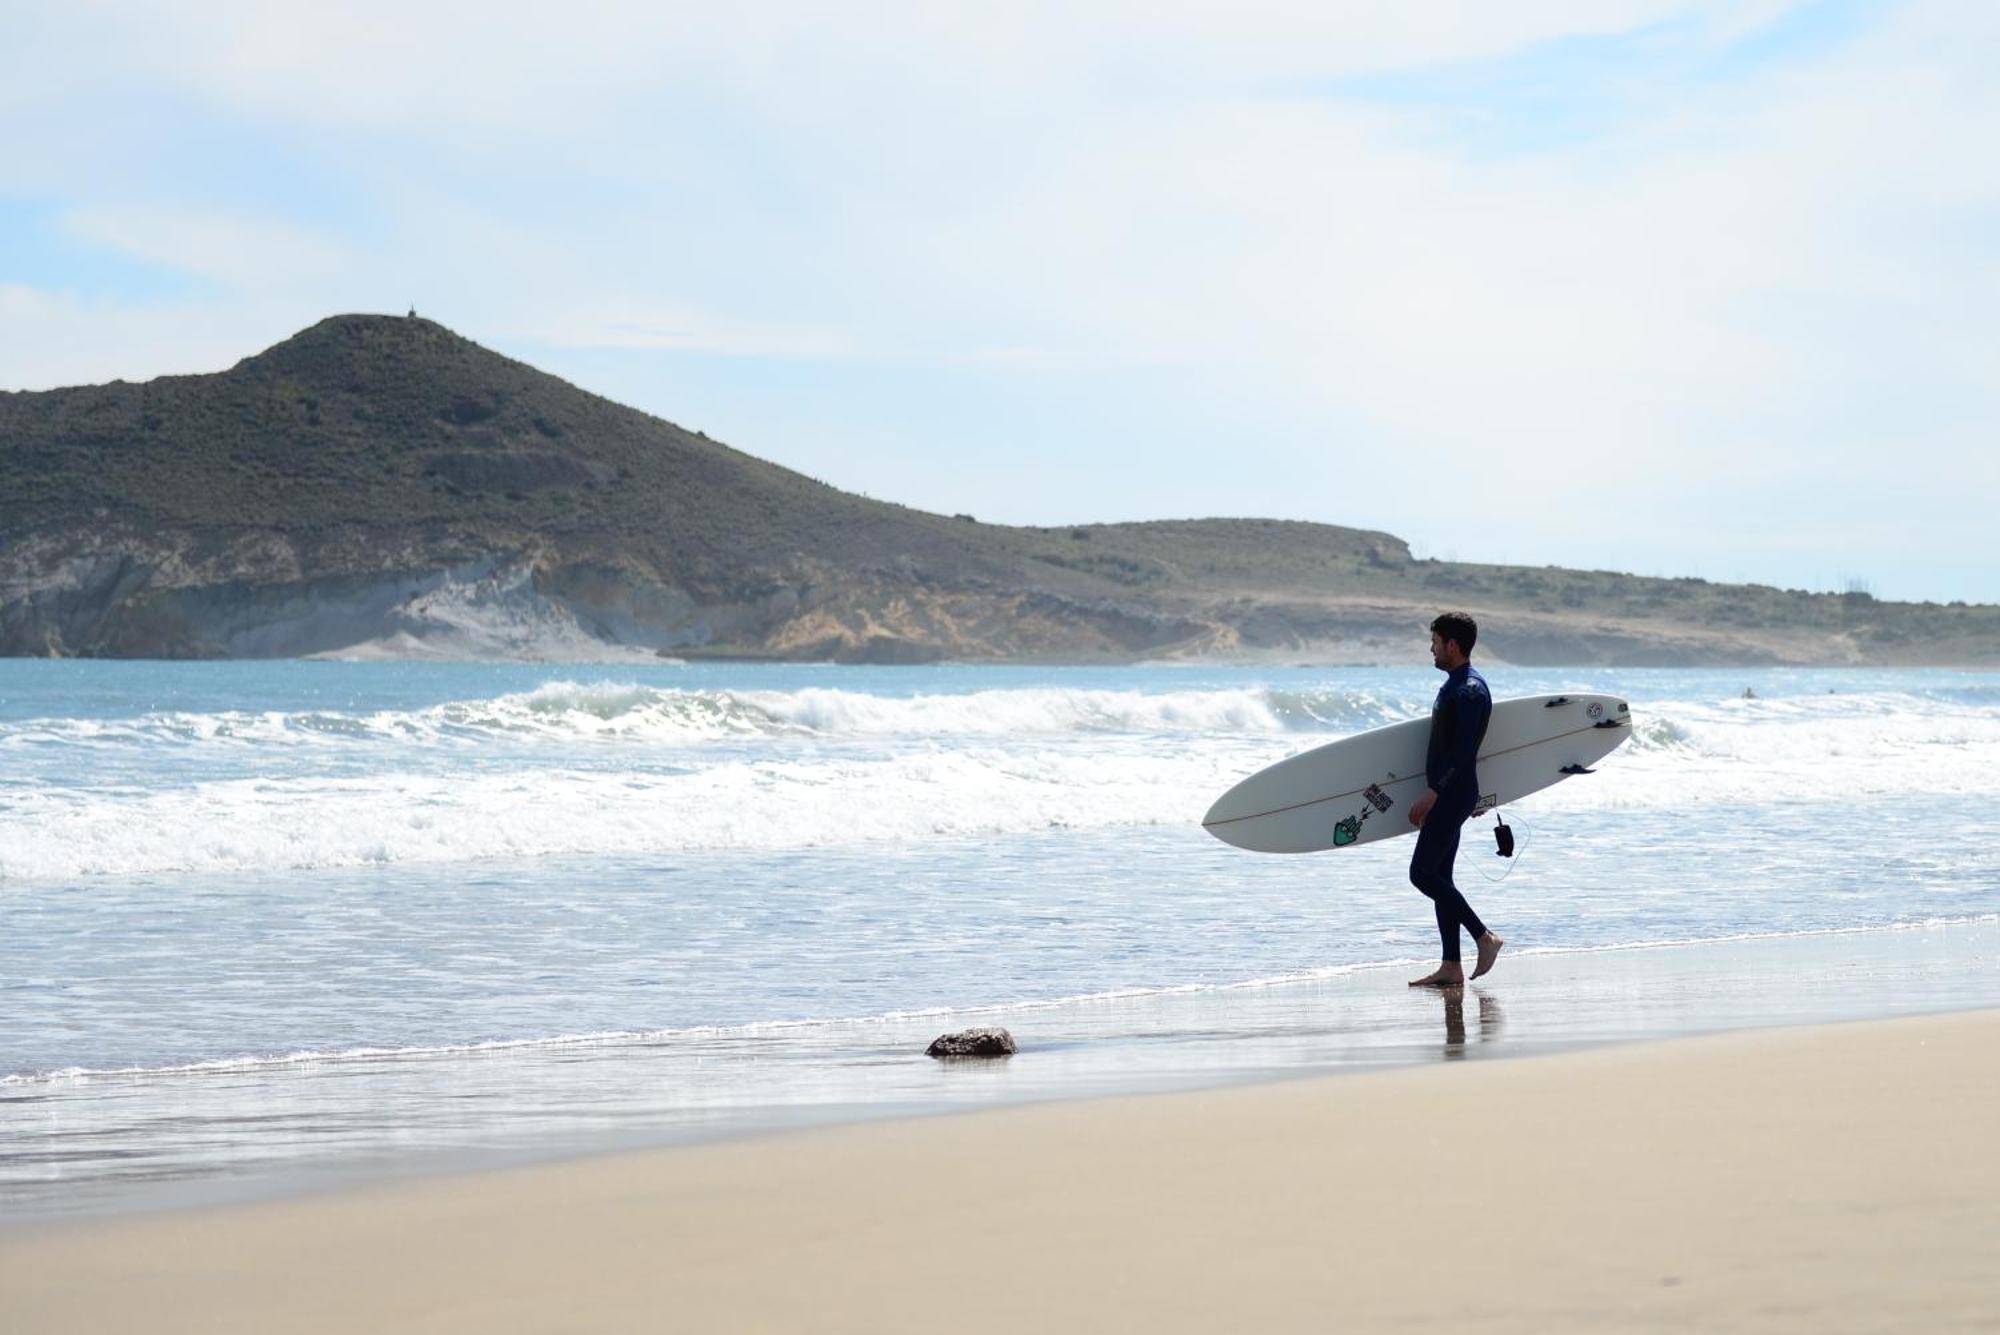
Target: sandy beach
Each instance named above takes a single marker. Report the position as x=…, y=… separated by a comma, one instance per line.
x=1838, y=1177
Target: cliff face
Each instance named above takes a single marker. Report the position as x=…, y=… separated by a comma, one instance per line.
x=381, y=486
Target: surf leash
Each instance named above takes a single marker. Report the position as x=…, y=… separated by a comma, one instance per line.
x=1508, y=844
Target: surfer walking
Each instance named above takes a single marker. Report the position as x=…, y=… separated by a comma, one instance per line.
x=1458, y=725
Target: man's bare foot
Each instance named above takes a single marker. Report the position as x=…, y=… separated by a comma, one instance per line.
x=1489, y=950
x=1446, y=975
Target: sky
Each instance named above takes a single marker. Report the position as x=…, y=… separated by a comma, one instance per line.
x=1675, y=287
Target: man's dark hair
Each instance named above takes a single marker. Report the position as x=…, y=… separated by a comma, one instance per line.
x=1457, y=626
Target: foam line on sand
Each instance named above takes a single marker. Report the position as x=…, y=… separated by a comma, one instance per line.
x=1840, y=1177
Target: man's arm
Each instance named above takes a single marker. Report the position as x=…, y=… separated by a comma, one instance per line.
x=1470, y=711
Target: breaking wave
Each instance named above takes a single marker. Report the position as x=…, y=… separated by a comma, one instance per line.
x=305, y=823
x=626, y=711
x=573, y=768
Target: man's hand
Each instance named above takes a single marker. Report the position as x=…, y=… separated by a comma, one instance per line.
x=1422, y=806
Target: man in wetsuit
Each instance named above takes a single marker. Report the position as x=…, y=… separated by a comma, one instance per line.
x=1458, y=725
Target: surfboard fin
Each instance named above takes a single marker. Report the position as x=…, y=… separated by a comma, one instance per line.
x=1577, y=769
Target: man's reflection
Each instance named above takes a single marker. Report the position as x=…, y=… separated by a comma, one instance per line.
x=1490, y=1020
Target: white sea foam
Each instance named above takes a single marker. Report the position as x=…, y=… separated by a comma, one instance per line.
x=592, y=711
x=1818, y=747
x=560, y=710
x=664, y=715
x=976, y=851
x=808, y=1028
x=247, y=825
x=528, y=774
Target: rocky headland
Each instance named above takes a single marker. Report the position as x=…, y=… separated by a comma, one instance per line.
x=381, y=486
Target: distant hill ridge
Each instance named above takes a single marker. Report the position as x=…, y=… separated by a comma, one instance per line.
x=381, y=485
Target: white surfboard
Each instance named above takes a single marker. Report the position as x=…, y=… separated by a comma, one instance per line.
x=1359, y=789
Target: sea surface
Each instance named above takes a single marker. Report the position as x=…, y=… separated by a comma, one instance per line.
x=280, y=923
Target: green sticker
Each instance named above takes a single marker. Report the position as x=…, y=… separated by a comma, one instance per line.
x=1347, y=831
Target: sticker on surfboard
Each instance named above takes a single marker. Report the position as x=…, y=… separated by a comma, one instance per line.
x=1319, y=798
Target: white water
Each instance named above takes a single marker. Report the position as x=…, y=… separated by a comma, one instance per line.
x=244, y=872
x=616, y=767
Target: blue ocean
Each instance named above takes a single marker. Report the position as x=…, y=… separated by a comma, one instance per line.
x=273, y=922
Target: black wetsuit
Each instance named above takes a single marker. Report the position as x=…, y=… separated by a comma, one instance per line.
x=1458, y=725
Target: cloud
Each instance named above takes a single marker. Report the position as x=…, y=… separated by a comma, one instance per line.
x=228, y=249
x=1721, y=270
x=678, y=327
x=53, y=339
x=1741, y=255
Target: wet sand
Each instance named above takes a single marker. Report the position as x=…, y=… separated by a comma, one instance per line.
x=1838, y=1177
x=117, y=1145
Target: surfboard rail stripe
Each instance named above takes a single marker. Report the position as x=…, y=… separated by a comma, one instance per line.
x=1398, y=778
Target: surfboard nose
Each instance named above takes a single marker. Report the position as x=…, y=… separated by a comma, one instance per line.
x=1223, y=809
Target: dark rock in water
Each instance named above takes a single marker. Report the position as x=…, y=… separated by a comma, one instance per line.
x=984, y=1042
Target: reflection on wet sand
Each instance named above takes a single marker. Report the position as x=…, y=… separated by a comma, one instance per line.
x=1491, y=1019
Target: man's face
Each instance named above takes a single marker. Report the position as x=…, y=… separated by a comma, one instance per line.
x=1438, y=651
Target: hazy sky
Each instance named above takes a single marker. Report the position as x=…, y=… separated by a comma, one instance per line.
x=1660, y=285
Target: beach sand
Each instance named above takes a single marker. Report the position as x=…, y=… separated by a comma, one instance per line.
x=1835, y=1178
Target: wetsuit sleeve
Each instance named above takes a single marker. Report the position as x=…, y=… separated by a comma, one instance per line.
x=1470, y=710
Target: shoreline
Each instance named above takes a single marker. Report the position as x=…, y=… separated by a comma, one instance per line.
x=569, y=1101
x=1828, y=1174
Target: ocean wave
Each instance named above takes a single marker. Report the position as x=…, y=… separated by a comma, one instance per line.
x=572, y=710
x=718, y=775
x=1839, y=729
x=587, y=712
x=822, y=799
x=623, y=712
x=297, y=824
x=877, y=774
x=1833, y=748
